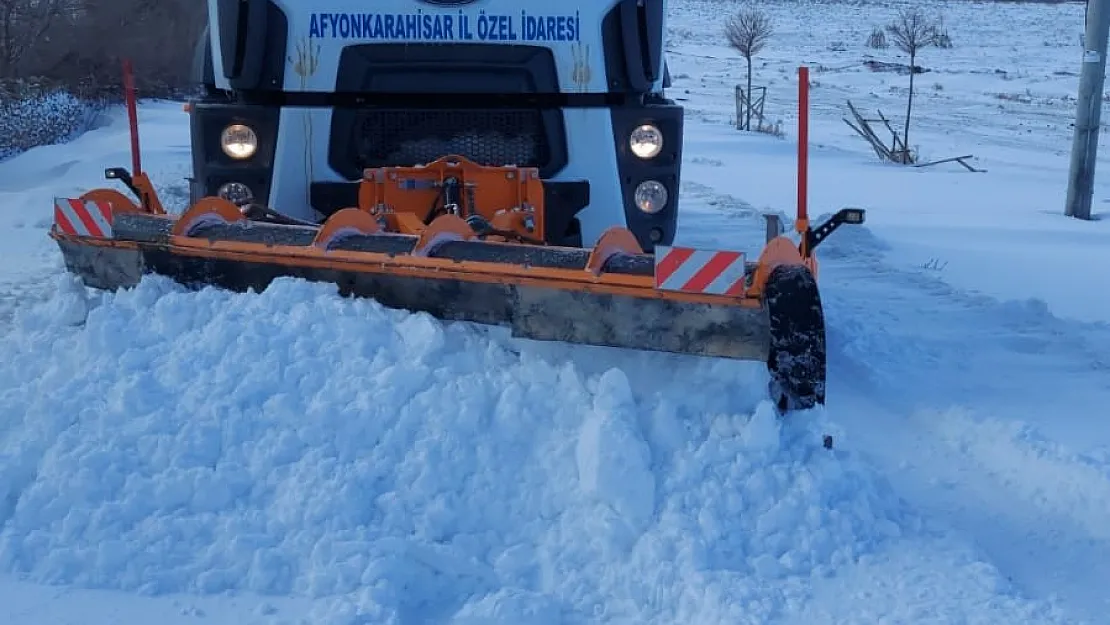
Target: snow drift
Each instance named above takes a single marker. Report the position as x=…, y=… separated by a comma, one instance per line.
x=294, y=442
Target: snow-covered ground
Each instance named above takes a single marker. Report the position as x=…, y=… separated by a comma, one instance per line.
x=1004, y=93
x=294, y=457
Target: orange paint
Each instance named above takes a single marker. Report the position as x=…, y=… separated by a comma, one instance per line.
x=346, y=220
x=801, y=224
x=485, y=191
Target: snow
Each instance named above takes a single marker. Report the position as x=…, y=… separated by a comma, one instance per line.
x=246, y=455
x=1005, y=93
x=296, y=457
x=32, y=179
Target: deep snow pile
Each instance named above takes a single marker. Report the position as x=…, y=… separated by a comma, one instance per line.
x=296, y=442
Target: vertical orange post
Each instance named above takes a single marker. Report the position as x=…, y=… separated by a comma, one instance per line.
x=132, y=116
x=801, y=224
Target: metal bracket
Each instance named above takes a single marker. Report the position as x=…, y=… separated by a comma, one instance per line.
x=775, y=227
x=124, y=176
x=814, y=236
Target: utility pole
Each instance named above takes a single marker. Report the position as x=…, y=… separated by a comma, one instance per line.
x=1084, y=150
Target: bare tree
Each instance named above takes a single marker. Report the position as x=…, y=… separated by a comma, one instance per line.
x=24, y=24
x=910, y=32
x=86, y=49
x=748, y=32
x=60, y=61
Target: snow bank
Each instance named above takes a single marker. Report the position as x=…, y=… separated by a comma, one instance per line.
x=30, y=181
x=297, y=443
x=32, y=116
x=1055, y=478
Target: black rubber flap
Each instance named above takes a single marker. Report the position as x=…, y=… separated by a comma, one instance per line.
x=640, y=323
x=531, y=312
x=540, y=313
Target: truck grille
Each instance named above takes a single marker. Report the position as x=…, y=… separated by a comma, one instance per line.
x=414, y=137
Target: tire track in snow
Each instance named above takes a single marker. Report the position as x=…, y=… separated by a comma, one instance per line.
x=1039, y=471
x=947, y=391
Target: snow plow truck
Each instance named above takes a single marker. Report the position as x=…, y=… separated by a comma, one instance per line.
x=509, y=162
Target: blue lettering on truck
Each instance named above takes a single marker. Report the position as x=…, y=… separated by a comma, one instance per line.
x=421, y=26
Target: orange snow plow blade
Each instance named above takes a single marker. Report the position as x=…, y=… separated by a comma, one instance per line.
x=465, y=242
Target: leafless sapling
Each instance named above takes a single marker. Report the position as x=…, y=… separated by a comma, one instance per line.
x=910, y=32
x=877, y=39
x=748, y=32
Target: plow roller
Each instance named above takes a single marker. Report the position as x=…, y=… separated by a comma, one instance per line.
x=465, y=242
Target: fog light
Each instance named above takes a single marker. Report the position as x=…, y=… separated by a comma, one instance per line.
x=651, y=196
x=239, y=141
x=237, y=193
x=646, y=141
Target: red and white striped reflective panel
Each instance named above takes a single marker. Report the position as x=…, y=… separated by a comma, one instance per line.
x=81, y=218
x=690, y=270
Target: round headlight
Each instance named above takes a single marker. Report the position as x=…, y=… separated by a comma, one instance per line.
x=646, y=141
x=237, y=193
x=651, y=196
x=239, y=141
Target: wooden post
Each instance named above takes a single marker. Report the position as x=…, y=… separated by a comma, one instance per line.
x=1084, y=151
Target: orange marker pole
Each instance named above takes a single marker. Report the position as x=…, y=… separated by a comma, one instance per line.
x=801, y=224
x=132, y=116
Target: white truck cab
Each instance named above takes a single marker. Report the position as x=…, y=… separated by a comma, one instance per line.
x=303, y=95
